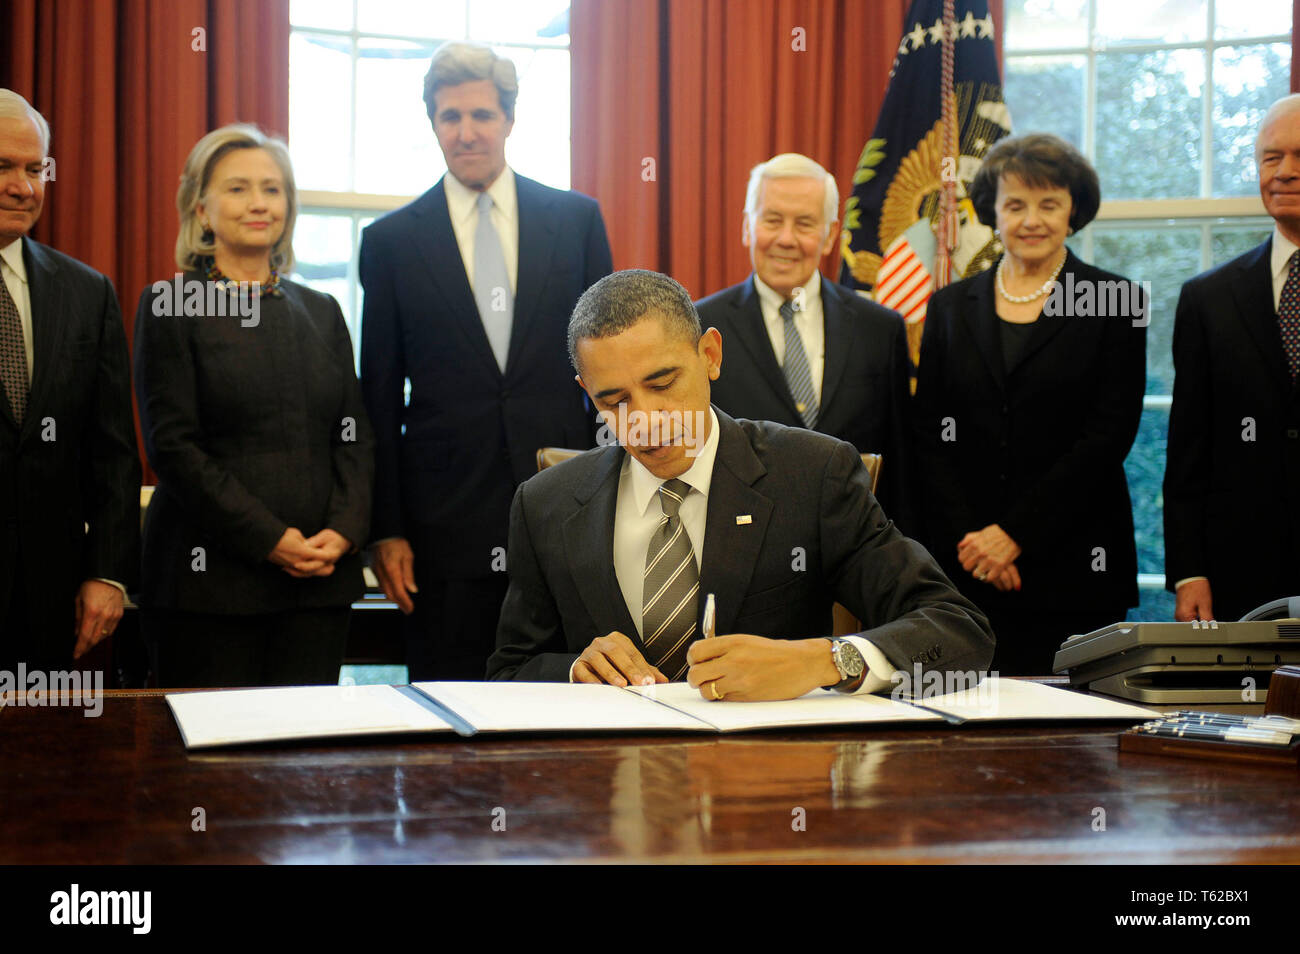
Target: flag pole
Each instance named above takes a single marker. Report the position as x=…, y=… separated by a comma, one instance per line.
x=947, y=231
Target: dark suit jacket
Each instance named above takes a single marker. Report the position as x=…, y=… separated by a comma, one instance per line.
x=803, y=490
x=1039, y=451
x=1232, y=477
x=70, y=478
x=448, y=463
x=865, y=388
x=247, y=429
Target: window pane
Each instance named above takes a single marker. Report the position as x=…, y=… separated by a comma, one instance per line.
x=1145, y=469
x=1046, y=24
x=519, y=21
x=397, y=153
x=1229, y=240
x=538, y=146
x=322, y=249
x=1247, y=79
x=1150, y=21
x=428, y=19
x=1149, y=124
x=1045, y=94
x=1238, y=18
x=320, y=111
x=326, y=14
x=1166, y=256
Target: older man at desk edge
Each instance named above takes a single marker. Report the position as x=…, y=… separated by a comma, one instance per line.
x=610, y=554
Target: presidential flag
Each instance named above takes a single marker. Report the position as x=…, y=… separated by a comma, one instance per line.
x=909, y=226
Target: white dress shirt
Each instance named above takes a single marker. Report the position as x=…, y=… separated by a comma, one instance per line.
x=1283, y=249
x=462, y=206
x=637, y=514
x=15, y=277
x=808, y=320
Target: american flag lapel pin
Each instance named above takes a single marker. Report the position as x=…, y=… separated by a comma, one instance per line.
x=744, y=519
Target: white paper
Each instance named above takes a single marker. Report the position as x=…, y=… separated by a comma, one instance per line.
x=234, y=716
x=818, y=707
x=1018, y=699
x=553, y=707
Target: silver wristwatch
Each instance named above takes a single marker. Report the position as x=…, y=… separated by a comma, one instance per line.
x=848, y=662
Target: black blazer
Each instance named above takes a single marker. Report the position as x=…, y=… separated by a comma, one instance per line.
x=1232, y=476
x=70, y=477
x=1039, y=451
x=802, y=490
x=251, y=430
x=865, y=386
x=448, y=462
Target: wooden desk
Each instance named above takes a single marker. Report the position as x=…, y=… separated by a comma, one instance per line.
x=121, y=788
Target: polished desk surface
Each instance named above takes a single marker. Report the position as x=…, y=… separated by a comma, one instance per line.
x=120, y=788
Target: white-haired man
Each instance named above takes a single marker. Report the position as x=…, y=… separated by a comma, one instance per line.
x=69, y=467
x=802, y=350
x=1232, y=475
x=468, y=295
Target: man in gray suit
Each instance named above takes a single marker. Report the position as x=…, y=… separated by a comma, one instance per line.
x=69, y=468
x=608, y=583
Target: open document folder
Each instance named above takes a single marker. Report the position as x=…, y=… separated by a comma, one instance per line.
x=239, y=716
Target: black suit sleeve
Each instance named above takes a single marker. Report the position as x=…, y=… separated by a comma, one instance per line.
x=943, y=494
x=910, y=609
x=383, y=382
x=897, y=469
x=221, y=506
x=112, y=458
x=600, y=262
x=530, y=638
x=353, y=445
x=1188, y=464
x=1111, y=426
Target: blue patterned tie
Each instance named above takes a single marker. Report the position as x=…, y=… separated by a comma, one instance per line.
x=1288, y=317
x=492, y=294
x=797, y=375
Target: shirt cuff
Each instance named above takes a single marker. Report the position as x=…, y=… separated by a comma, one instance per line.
x=879, y=673
x=1189, y=579
x=100, y=579
x=571, y=665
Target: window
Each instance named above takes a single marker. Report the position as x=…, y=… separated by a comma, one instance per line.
x=1165, y=97
x=358, y=131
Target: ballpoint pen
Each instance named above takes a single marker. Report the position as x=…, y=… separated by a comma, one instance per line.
x=709, y=625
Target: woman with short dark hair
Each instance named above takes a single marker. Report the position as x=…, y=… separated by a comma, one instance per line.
x=1029, y=394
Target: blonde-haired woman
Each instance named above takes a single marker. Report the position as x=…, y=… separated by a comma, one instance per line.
x=253, y=421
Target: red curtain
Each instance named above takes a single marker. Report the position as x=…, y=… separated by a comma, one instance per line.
x=675, y=100
x=128, y=87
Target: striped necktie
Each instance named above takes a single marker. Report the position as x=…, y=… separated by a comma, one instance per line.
x=13, y=355
x=1288, y=317
x=797, y=375
x=671, y=587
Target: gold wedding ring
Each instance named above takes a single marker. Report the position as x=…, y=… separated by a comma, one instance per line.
x=714, y=686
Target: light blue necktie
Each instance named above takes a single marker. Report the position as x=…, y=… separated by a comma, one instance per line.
x=492, y=294
x=797, y=374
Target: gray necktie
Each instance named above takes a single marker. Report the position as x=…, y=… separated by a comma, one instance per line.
x=13, y=355
x=492, y=294
x=797, y=375
x=671, y=587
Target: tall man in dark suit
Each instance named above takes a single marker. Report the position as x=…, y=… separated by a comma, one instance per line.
x=803, y=350
x=1232, y=476
x=69, y=468
x=612, y=553
x=467, y=294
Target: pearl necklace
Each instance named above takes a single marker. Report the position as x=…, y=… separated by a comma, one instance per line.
x=1043, y=289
